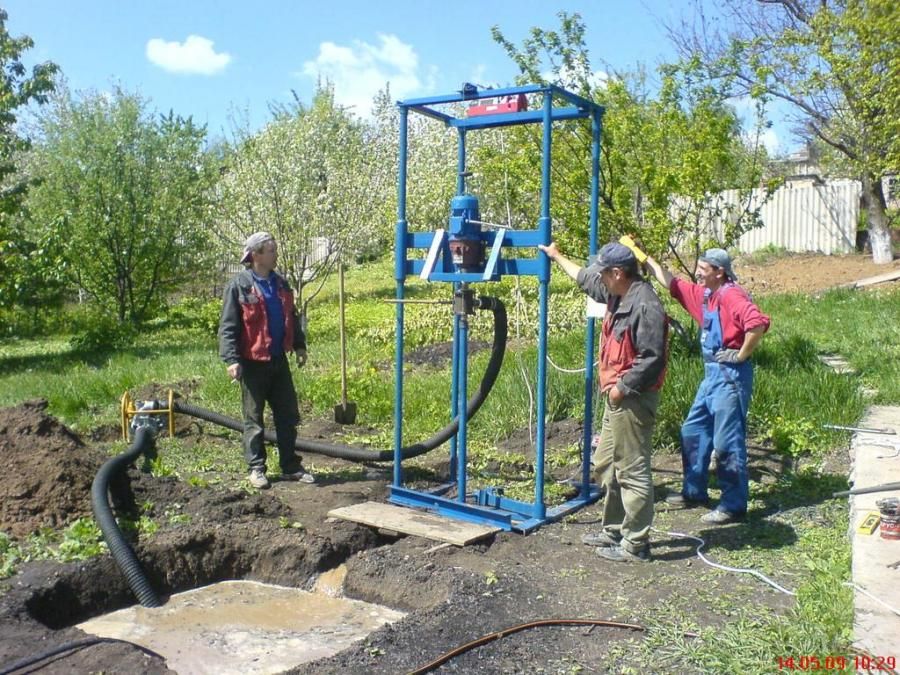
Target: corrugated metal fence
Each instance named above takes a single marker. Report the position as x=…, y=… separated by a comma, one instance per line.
x=802, y=216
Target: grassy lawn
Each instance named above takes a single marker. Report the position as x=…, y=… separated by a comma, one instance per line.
x=795, y=394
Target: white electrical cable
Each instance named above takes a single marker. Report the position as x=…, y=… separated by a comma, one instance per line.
x=519, y=310
x=569, y=370
x=893, y=445
x=862, y=590
x=742, y=570
x=763, y=577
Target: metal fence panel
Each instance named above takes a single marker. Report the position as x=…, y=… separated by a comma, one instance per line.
x=804, y=216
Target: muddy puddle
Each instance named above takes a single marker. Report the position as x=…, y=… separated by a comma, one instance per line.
x=245, y=627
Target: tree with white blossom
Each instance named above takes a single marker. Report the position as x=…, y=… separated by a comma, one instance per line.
x=309, y=179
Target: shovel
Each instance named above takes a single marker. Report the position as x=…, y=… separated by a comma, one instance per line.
x=345, y=411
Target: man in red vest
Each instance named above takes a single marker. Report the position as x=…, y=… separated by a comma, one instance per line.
x=258, y=328
x=633, y=358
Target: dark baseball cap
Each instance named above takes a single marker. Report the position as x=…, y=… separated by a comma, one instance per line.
x=615, y=254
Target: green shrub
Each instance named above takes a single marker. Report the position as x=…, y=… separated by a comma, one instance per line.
x=104, y=333
x=190, y=312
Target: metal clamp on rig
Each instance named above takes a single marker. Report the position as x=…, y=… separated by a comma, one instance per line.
x=470, y=251
x=464, y=302
x=136, y=414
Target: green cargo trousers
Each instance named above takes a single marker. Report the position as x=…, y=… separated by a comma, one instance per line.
x=622, y=468
x=269, y=382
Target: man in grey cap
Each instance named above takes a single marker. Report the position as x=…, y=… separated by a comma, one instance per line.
x=258, y=328
x=633, y=358
x=731, y=327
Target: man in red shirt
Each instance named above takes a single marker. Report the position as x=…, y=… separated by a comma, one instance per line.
x=731, y=327
x=633, y=358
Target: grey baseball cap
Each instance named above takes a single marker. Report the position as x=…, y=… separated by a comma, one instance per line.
x=718, y=257
x=254, y=241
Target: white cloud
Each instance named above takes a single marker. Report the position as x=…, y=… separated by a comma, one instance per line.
x=360, y=70
x=194, y=56
x=745, y=107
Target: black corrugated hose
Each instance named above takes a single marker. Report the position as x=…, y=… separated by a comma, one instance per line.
x=498, y=350
x=118, y=547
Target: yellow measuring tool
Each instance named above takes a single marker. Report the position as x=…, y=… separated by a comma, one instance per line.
x=869, y=523
x=625, y=240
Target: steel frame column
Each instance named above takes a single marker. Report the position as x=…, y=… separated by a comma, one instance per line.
x=400, y=277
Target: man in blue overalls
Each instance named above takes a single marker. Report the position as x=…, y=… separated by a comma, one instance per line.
x=731, y=327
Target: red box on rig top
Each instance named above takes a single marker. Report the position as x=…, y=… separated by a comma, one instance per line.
x=506, y=104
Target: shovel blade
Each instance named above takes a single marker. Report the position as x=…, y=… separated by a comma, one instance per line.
x=345, y=415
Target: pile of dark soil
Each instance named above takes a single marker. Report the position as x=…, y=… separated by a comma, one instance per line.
x=440, y=354
x=48, y=472
x=220, y=533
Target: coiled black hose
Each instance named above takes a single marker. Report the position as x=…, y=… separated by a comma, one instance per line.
x=112, y=535
x=498, y=350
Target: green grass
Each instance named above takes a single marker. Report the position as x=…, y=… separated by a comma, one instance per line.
x=861, y=326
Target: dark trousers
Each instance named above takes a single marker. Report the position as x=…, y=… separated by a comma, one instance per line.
x=269, y=382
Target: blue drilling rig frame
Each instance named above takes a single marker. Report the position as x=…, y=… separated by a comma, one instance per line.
x=457, y=256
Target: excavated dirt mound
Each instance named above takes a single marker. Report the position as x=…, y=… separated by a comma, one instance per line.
x=48, y=471
x=205, y=535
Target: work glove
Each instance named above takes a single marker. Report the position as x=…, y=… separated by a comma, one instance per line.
x=625, y=240
x=728, y=356
x=301, y=358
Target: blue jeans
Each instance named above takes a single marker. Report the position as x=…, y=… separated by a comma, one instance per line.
x=718, y=420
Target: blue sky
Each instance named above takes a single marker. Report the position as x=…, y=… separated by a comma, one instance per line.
x=207, y=59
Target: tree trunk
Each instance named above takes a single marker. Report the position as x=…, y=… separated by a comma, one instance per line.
x=879, y=233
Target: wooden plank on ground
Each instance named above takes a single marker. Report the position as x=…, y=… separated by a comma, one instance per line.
x=893, y=275
x=879, y=279
x=414, y=521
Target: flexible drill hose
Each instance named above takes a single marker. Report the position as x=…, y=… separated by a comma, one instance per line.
x=498, y=350
x=112, y=535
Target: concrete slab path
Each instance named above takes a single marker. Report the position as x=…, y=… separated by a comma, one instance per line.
x=876, y=561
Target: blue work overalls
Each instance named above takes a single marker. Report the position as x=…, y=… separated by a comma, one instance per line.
x=718, y=420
